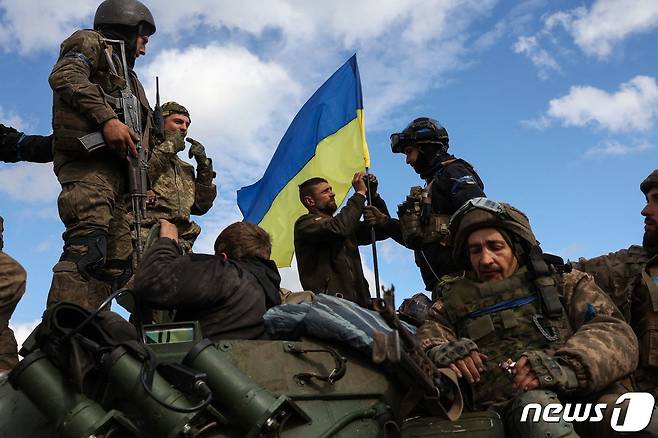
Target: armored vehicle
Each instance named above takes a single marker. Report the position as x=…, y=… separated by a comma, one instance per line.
x=77, y=381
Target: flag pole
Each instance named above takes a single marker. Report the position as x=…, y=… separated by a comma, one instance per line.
x=373, y=239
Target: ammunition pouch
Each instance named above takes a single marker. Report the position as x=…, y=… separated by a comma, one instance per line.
x=93, y=263
x=419, y=225
x=550, y=372
x=446, y=354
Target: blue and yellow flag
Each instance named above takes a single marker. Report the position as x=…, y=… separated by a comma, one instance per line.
x=326, y=139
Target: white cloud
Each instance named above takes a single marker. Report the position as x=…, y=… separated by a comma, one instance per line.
x=23, y=329
x=542, y=122
x=615, y=148
x=634, y=107
x=539, y=57
x=10, y=118
x=41, y=24
x=290, y=277
x=240, y=105
x=607, y=23
x=29, y=182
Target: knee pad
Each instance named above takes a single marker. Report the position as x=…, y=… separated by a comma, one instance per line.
x=92, y=262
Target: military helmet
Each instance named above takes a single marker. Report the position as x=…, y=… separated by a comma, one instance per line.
x=174, y=108
x=422, y=130
x=649, y=182
x=414, y=310
x=480, y=213
x=125, y=13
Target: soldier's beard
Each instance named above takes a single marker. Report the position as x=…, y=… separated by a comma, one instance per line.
x=650, y=241
x=329, y=208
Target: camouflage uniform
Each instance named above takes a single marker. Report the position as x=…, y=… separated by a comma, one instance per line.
x=576, y=340
x=594, y=340
x=97, y=244
x=624, y=276
x=12, y=288
x=178, y=192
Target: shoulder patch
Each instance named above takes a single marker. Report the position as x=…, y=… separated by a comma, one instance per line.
x=466, y=180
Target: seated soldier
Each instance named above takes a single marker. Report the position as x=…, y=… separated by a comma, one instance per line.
x=518, y=330
x=228, y=292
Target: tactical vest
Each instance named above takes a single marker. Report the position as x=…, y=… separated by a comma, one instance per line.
x=70, y=123
x=504, y=320
x=418, y=223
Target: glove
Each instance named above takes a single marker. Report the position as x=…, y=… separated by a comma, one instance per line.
x=173, y=143
x=373, y=216
x=550, y=373
x=197, y=151
x=445, y=354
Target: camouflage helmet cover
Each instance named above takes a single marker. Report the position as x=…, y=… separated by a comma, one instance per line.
x=480, y=213
x=175, y=108
x=649, y=182
x=125, y=13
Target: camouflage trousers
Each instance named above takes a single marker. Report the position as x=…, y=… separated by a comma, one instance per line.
x=91, y=204
x=12, y=288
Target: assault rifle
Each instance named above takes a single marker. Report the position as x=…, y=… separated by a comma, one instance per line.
x=128, y=110
x=402, y=349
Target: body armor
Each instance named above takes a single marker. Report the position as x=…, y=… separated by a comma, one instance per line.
x=418, y=223
x=504, y=319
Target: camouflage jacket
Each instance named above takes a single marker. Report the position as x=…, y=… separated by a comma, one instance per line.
x=85, y=92
x=178, y=191
x=327, y=250
x=623, y=275
x=594, y=341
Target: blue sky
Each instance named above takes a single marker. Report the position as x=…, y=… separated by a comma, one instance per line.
x=554, y=102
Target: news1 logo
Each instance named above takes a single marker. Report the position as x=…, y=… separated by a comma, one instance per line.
x=638, y=414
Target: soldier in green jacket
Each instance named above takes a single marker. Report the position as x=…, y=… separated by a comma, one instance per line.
x=327, y=246
x=555, y=334
x=87, y=82
x=629, y=276
x=176, y=191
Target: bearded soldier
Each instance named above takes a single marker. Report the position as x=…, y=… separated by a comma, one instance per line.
x=628, y=276
x=88, y=81
x=555, y=334
x=176, y=192
x=423, y=218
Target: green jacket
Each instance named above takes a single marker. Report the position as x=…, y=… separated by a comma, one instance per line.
x=327, y=250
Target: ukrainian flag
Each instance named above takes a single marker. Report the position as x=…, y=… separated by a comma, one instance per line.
x=326, y=139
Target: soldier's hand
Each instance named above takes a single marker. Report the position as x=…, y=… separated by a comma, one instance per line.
x=167, y=229
x=197, y=151
x=373, y=184
x=358, y=183
x=470, y=367
x=373, y=216
x=524, y=378
x=119, y=137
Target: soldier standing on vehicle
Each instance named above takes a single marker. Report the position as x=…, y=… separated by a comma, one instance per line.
x=87, y=83
x=12, y=288
x=176, y=192
x=629, y=276
x=327, y=246
x=560, y=335
x=15, y=146
x=449, y=182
